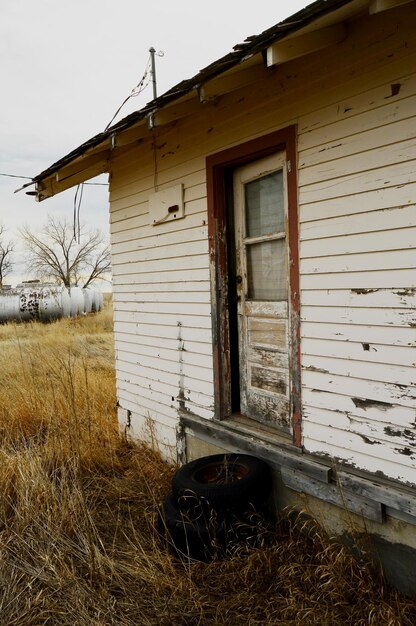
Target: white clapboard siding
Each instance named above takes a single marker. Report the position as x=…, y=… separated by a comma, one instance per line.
x=146, y=427
x=381, y=116
x=193, y=291
x=178, y=366
x=364, y=316
x=137, y=373
x=386, y=219
x=379, y=279
x=366, y=334
x=356, y=455
x=191, y=229
x=396, y=374
x=397, y=174
x=374, y=298
x=128, y=350
x=164, y=405
x=178, y=320
x=345, y=405
x=150, y=254
x=162, y=392
x=376, y=430
x=352, y=203
x=171, y=308
x=360, y=387
x=356, y=143
x=148, y=399
x=159, y=278
x=138, y=294
x=357, y=351
x=366, y=161
x=198, y=261
x=352, y=441
x=181, y=335
x=383, y=240
x=390, y=259
x=137, y=341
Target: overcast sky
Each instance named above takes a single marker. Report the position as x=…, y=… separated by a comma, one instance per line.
x=67, y=65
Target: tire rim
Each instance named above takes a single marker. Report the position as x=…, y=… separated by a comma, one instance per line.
x=220, y=473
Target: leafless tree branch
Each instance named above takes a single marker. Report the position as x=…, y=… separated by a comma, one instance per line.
x=6, y=251
x=57, y=255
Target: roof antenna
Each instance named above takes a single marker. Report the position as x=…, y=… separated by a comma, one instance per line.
x=153, y=70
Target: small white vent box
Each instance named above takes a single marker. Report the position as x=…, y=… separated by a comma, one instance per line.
x=166, y=205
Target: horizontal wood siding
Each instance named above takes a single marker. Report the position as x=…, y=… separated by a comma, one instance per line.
x=357, y=191
x=162, y=310
x=354, y=106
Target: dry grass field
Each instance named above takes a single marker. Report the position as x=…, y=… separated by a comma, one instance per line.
x=77, y=506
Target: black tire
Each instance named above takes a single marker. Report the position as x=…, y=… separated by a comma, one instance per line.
x=224, y=481
x=186, y=537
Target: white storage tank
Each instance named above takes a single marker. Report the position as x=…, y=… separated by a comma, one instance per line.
x=101, y=299
x=54, y=303
x=66, y=302
x=29, y=303
x=77, y=301
x=87, y=300
x=95, y=300
x=9, y=306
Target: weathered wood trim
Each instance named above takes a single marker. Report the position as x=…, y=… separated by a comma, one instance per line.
x=217, y=166
x=332, y=493
x=295, y=47
x=50, y=187
x=231, y=81
x=399, y=500
x=230, y=437
x=378, y=6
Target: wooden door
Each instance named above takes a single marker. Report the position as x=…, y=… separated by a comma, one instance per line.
x=260, y=212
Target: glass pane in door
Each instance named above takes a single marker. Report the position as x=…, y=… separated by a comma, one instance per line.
x=266, y=270
x=264, y=206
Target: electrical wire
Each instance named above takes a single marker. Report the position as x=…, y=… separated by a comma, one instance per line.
x=30, y=178
x=141, y=86
x=16, y=176
x=77, y=207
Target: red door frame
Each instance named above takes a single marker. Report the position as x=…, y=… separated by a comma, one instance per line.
x=217, y=165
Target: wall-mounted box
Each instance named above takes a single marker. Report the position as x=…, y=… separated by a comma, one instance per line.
x=166, y=205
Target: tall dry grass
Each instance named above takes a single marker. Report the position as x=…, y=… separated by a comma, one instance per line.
x=77, y=507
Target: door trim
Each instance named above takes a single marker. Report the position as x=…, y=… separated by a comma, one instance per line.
x=218, y=166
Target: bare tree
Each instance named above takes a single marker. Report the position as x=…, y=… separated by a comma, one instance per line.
x=59, y=255
x=6, y=250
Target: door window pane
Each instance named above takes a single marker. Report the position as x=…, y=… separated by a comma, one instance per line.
x=266, y=271
x=264, y=205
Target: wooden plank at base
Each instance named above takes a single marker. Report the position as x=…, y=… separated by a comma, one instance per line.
x=397, y=499
x=231, y=436
x=331, y=493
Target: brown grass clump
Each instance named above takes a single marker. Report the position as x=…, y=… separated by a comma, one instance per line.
x=77, y=509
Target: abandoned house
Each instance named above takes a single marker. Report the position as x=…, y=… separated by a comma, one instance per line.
x=263, y=230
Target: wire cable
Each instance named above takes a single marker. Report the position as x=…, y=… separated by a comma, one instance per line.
x=141, y=86
x=77, y=206
x=16, y=176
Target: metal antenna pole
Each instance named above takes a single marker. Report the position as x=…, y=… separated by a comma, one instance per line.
x=152, y=59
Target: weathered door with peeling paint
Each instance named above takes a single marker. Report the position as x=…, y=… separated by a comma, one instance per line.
x=260, y=209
